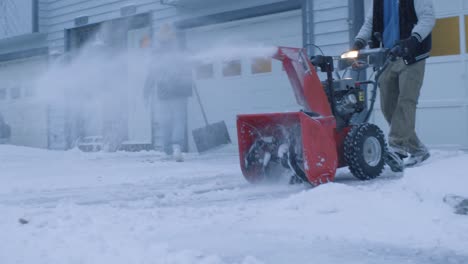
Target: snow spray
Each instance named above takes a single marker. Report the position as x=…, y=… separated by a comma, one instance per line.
x=98, y=88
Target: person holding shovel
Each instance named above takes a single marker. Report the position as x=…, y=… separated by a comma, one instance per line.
x=171, y=76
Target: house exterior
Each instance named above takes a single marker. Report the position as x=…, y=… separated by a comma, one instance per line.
x=245, y=84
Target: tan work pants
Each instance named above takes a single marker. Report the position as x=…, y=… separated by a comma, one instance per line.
x=400, y=86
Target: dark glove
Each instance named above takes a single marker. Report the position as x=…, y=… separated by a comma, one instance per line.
x=358, y=45
x=409, y=46
x=396, y=52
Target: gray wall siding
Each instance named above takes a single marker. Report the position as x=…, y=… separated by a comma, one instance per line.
x=61, y=14
x=15, y=18
x=58, y=15
x=331, y=25
x=43, y=7
x=220, y=6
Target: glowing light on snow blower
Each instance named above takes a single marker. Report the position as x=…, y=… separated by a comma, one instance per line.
x=353, y=54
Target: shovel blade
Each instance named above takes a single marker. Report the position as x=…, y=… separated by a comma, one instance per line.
x=211, y=136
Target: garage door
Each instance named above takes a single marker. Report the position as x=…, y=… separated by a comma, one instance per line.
x=239, y=79
x=26, y=117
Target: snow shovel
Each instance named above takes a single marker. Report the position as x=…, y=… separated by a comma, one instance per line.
x=212, y=135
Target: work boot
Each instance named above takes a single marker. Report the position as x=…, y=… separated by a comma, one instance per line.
x=177, y=153
x=398, y=150
x=417, y=158
x=395, y=158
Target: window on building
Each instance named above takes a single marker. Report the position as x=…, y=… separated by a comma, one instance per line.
x=3, y=94
x=15, y=92
x=446, y=37
x=261, y=65
x=204, y=71
x=232, y=68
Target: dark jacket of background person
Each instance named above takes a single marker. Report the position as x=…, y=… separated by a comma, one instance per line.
x=170, y=75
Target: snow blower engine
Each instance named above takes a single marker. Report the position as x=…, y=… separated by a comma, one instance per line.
x=330, y=132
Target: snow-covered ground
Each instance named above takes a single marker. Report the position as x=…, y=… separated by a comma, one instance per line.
x=138, y=208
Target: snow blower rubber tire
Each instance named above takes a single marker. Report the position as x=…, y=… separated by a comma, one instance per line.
x=364, y=151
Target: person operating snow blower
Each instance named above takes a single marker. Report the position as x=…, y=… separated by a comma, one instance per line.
x=171, y=75
x=405, y=27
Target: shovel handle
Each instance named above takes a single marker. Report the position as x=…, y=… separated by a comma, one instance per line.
x=199, y=102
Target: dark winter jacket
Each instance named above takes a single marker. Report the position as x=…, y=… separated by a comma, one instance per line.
x=175, y=86
x=416, y=19
x=171, y=76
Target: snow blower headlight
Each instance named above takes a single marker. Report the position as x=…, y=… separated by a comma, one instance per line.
x=353, y=54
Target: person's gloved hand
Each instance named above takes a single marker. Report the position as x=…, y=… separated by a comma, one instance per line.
x=396, y=52
x=358, y=45
x=409, y=46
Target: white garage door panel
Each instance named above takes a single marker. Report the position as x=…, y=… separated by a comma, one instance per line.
x=28, y=122
x=28, y=119
x=435, y=126
x=443, y=81
x=226, y=97
x=246, y=96
x=443, y=126
x=276, y=27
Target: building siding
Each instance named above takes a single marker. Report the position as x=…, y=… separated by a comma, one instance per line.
x=42, y=13
x=331, y=29
x=61, y=15
x=16, y=18
x=56, y=16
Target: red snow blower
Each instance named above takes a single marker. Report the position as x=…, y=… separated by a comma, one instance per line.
x=330, y=132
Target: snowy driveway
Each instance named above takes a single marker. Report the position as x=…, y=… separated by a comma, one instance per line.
x=137, y=208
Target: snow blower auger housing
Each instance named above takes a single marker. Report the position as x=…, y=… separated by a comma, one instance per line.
x=324, y=135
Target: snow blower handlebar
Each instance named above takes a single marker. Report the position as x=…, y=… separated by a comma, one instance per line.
x=298, y=66
x=378, y=58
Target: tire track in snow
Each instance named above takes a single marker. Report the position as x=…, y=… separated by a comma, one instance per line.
x=171, y=193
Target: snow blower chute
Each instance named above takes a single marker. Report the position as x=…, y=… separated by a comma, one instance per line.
x=323, y=136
